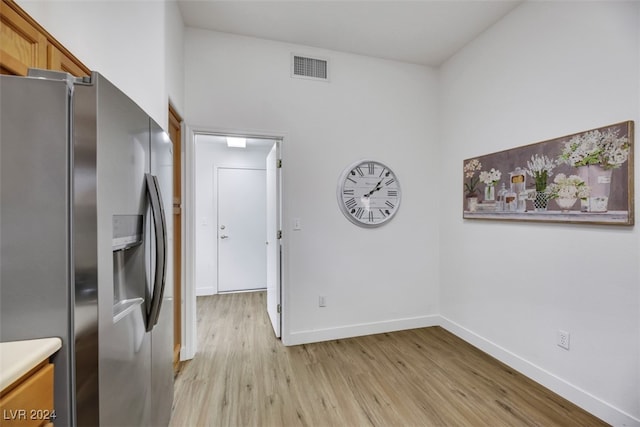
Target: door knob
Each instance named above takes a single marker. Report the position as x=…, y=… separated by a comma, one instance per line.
x=224, y=236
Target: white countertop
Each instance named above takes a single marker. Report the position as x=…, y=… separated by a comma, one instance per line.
x=19, y=357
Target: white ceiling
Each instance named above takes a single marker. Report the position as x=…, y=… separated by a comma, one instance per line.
x=424, y=32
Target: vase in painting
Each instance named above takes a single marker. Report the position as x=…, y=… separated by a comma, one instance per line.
x=565, y=204
x=541, y=201
x=472, y=203
x=489, y=193
x=598, y=179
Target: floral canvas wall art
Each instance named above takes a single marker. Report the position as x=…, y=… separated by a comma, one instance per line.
x=586, y=177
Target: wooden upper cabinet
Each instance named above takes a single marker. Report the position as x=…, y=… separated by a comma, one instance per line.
x=25, y=44
x=58, y=60
x=21, y=44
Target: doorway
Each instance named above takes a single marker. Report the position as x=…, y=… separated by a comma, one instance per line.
x=221, y=209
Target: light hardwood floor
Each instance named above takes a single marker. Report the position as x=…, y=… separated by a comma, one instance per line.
x=243, y=376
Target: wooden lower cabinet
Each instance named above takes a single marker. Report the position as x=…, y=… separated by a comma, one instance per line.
x=29, y=401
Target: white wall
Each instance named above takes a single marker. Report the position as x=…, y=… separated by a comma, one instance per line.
x=212, y=153
x=548, y=69
x=126, y=41
x=374, y=280
x=174, y=55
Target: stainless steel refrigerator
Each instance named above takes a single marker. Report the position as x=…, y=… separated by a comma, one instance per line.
x=85, y=244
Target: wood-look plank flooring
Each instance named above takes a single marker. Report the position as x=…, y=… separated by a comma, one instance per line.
x=243, y=376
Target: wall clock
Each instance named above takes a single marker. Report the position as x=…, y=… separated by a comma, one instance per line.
x=368, y=193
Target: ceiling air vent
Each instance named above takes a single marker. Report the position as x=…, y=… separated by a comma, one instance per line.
x=309, y=68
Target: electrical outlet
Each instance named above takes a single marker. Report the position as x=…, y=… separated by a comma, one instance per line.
x=322, y=301
x=563, y=339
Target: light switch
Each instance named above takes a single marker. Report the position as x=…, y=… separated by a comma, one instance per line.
x=297, y=224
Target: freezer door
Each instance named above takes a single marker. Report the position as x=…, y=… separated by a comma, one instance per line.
x=162, y=333
x=35, y=204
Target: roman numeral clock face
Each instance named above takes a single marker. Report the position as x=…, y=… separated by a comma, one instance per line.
x=368, y=193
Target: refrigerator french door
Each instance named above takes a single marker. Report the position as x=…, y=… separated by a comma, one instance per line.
x=85, y=178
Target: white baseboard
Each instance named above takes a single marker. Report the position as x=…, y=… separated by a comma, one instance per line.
x=317, y=335
x=582, y=398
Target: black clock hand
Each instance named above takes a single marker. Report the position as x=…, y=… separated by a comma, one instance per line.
x=378, y=188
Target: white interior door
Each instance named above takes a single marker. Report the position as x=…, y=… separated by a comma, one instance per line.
x=273, y=243
x=241, y=229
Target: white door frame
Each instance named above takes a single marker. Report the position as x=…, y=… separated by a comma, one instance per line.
x=189, y=308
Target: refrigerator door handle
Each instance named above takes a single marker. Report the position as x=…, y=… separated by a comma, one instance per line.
x=160, y=230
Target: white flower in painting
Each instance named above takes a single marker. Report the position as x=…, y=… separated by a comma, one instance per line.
x=590, y=142
x=570, y=187
x=566, y=193
x=491, y=177
x=539, y=164
x=576, y=157
x=471, y=168
x=596, y=147
x=583, y=192
x=619, y=156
